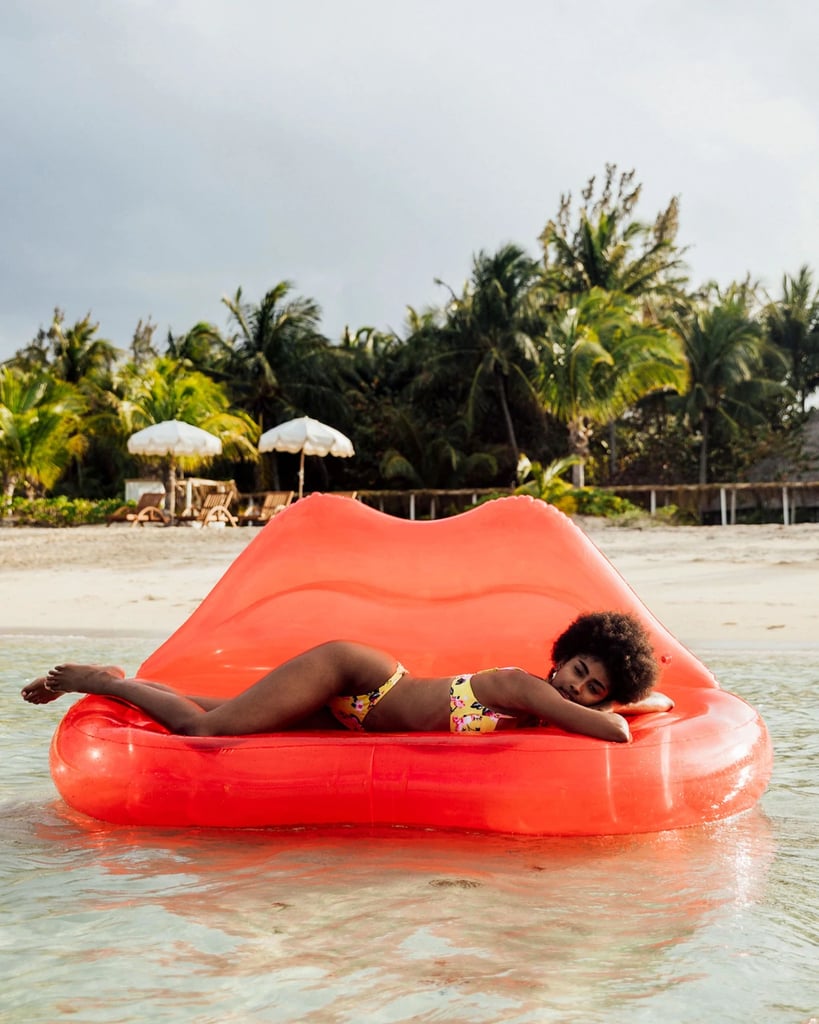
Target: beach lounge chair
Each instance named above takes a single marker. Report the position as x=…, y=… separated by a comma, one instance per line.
x=148, y=510
x=352, y=495
x=216, y=508
x=274, y=502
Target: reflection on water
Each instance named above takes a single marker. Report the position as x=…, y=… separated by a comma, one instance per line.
x=117, y=924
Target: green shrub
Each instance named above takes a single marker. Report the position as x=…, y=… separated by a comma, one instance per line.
x=673, y=515
x=62, y=511
x=590, y=501
x=545, y=482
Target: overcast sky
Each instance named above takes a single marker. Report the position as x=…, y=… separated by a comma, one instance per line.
x=157, y=154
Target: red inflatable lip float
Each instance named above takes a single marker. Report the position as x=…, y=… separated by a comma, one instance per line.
x=492, y=586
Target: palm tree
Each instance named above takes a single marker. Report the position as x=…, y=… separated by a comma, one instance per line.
x=142, y=349
x=490, y=335
x=202, y=347
x=792, y=323
x=39, y=430
x=430, y=458
x=79, y=356
x=366, y=362
x=76, y=355
x=368, y=350
x=279, y=364
x=168, y=390
x=72, y=354
x=608, y=248
x=597, y=360
x=728, y=356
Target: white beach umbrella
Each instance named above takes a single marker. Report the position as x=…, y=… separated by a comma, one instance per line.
x=174, y=438
x=309, y=437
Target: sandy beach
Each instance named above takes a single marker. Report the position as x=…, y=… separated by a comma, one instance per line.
x=753, y=586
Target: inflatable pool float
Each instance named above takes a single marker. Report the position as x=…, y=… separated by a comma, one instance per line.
x=492, y=586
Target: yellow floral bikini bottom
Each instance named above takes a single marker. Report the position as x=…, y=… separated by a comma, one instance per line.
x=351, y=711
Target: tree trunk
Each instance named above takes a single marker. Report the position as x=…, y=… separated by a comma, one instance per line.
x=170, y=486
x=8, y=493
x=507, y=417
x=612, y=450
x=579, y=435
x=704, y=448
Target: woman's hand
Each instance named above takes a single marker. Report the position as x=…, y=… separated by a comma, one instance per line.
x=655, y=701
x=617, y=726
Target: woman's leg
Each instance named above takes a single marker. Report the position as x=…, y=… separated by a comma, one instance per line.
x=171, y=709
x=205, y=703
x=39, y=692
x=286, y=696
x=298, y=689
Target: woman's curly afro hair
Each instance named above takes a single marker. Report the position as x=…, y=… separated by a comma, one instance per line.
x=621, y=643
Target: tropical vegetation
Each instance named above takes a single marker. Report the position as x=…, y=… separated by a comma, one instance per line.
x=595, y=355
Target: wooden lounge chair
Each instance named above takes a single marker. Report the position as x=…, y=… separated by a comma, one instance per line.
x=352, y=495
x=216, y=509
x=148, y=510
x=273, y=503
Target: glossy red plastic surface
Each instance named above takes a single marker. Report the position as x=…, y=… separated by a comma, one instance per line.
x=493, y=586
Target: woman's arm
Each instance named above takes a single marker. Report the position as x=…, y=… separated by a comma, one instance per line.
x=517, y=692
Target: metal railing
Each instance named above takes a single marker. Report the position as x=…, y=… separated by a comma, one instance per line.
x=720, y=501
x=725, y=499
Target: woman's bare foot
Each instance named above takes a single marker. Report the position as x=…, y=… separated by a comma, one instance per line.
x=79, y=679
x=36, y=692
x=45, y=689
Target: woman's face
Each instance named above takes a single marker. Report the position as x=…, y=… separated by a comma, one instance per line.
x=582, y=679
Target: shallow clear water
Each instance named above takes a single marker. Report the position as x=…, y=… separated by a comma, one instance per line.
x=108, y=924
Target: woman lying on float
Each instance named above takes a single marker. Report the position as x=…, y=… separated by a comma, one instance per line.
x=602, y=664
